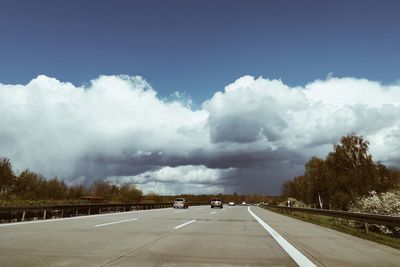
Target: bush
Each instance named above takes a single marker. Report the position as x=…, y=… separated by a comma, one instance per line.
x=384, y=204
x=294, y=203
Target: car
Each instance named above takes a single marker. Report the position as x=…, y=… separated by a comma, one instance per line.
x=180, y=203
x=231, y=203
x=216, y=202
x=244, y=203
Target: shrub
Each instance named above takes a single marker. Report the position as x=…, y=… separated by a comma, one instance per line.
x=384, y=204
x=294, y=203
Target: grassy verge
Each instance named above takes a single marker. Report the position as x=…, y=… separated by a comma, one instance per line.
x=343, y=226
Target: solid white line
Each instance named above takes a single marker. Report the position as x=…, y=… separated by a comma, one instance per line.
x=213, y=212
x=296, y=255
x=80, y=217
x=104, y=224
x=179, y=226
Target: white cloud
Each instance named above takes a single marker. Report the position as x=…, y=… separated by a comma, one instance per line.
x=188, y=179
x=118, y=127
x=49, y=126
x=350, y=91
x=270, y=114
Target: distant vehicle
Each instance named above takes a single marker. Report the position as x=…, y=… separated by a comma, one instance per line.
x=244, y=203
x=231, y=203
x=216, y=202
x=180, y=203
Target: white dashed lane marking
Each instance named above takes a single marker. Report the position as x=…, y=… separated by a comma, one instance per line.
x=184, y=224
x=105, y=224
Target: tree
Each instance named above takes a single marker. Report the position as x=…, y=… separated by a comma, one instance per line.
x=346, y=173
x=354, y=172
x=103, y=189
x=56, y=189
x=77, y=191
x=130, y=194
x=299, y=188
x=387, y=178
x=30, y=185
x=318, y=179
x=125, y=193
x=152, y=197
x=7, y=177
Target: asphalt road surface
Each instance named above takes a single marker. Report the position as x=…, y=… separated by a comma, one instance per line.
x=198, y=236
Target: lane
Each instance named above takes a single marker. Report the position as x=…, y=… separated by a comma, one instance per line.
x=91, y=218
x=327, y=247
x=78, y=243
x=228, y=237
x=179, y=211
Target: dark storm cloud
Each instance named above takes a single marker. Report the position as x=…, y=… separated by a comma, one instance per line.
x=262, y=166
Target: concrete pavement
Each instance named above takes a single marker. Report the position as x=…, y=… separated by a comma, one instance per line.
x=198, y=236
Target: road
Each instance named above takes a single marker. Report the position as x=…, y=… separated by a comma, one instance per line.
x=198, y=236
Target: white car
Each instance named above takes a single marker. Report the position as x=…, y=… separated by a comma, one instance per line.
x=244, y=203
x=231, y=203
x=180, y=203
x=216, y=202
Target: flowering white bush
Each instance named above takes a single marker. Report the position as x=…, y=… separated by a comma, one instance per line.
x=384, y=203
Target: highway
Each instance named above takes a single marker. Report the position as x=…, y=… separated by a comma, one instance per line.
x=198, y=236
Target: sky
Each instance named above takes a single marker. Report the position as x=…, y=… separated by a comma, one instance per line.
x=195, y=96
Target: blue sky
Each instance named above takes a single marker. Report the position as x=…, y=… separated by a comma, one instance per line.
x=198, y=47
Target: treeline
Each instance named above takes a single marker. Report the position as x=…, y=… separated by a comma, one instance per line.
x=346, y=174
x=32, y=186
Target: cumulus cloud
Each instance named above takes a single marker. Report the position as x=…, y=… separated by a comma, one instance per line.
x=51, y=126
x=167, y=180
x=272, y=115
x=247, y=138
x=251, y=110
x=350, y=91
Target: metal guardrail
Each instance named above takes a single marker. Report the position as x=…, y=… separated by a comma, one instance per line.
x=359, y=217
x=22, y=213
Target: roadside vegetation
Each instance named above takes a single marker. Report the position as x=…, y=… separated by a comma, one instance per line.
x=348, y=179
x=387, y=203
x=343, y=177
x=30, y=188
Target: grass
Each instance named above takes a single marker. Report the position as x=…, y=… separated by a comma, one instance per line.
x=342, y=225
